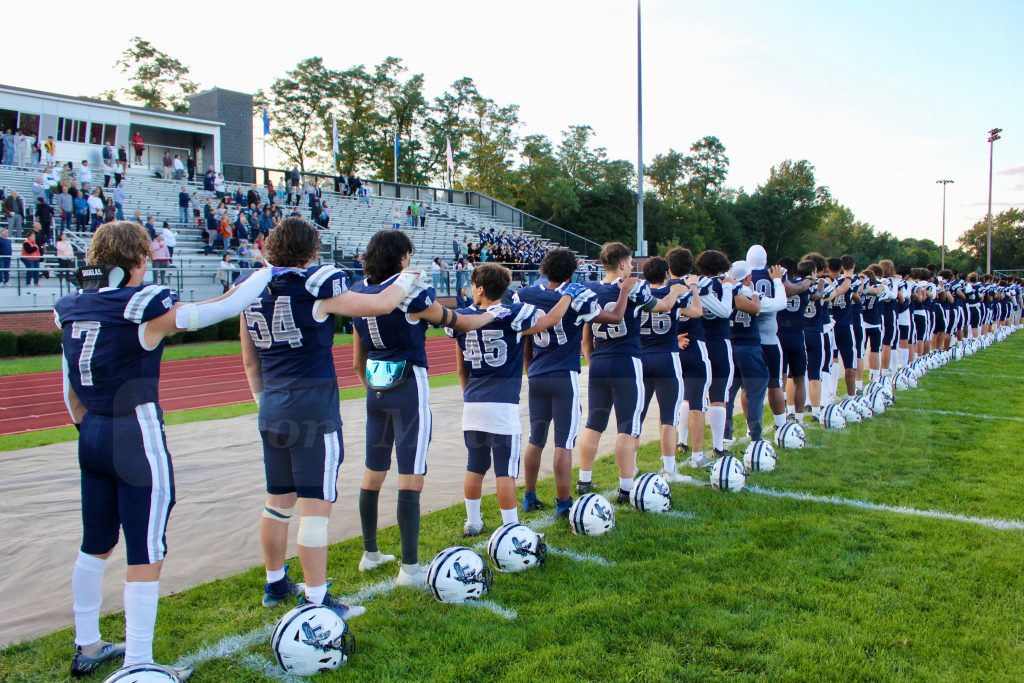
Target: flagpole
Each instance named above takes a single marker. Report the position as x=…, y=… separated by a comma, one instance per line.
x=396, y=156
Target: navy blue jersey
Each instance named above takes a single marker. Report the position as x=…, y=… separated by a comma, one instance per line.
x=904, y=286
x=622, y=338
x=493, y=355
x=394, y=336
x=659, y=332
x=871, y=307
x=714, y=326
x=105, y=361
x=792, y=317
x=293, y=340
x=816, y=311
x=693, y=328
x=842, y=306
x=558, y=349
x=743, y=325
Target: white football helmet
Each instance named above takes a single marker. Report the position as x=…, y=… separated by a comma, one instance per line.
x=311, y=638
x=727, y=474
x=849, y=410
x=790, y=435
x=863, y=405
x=832, y=418
x=514, y=547
x=458, y=574
x=760, y=457
x=878, y=402
x=142, y=673
x=591, y=515
x=651, y=493
x=901, y=382
x=872, y=387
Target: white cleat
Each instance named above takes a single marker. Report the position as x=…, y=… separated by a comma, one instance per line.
x=366, y=564
x=698, y=462
x=415, y=580
x=674, y=477
x=469, y=529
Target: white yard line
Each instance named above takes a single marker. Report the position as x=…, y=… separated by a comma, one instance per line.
x=269, y=669
x=957, y=413
x=490, y=605
x=991, y=522
x=580, y=557
x=679, y=514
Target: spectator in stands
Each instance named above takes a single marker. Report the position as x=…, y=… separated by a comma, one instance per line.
x=252, y=197
x=423, y=215
x=66, y=207
x=168, y=165
x=218, y=186
x=226, y=271
x=396, y=218
x=244, y=254
x=44, y=214
x=414, y=213
x=8, y=147
x=65, y=258
x=119, y=200
x=108, y=171
x=50, y=149
x=484, y=254
x=161, y=257
x=37, y=153
x=38, y=189
x=212, y=226
x=6, y=250
x=410, y=219
x=14, y=207
x=109, y=211
x=209, y=180
x=184, y=199
x=122, y=159
x=170, y=239
x=463, y=299
x=84, y=174
x=138, y=145
x=95, y=208
x=107, y=154
x=280, y=191
x=456, y=249
x=20, y=157
x=190, y=166
x=150, y=228
x=293, y=188
x=364, y=195
x=324, y=217
x=31, y=255
x=179, y=168
x=238, y=197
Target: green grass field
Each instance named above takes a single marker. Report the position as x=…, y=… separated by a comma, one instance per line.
x=739, y=587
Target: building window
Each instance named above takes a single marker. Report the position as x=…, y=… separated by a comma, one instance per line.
x=28, y=124
x=102, y=133
x=70, y=130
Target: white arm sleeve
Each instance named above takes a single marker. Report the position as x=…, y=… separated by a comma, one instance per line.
x=778, y=301
x=194, y=316
x=720, y=308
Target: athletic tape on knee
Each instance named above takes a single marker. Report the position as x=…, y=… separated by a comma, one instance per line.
x=278, y=514
x=312, y=532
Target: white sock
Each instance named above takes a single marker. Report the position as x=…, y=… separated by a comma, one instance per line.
x=860, y=384
x=716, y=416
x=790, y=410
x=875, y=374
x=697, y=455
x=668, y=463
x=316, y=594
x=684, y=423
x=585, y=475
x=410, y=568
x=373, y=557
x=140, y=604
x=815, y=412
x=275, y=575
x=625, y=483
x=509, y=516
x=473, y=511
x=780, y=419
x=87, y=594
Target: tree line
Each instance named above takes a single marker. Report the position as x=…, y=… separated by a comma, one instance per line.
x=569, y=181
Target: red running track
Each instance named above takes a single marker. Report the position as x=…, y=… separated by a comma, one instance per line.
x=36, y=401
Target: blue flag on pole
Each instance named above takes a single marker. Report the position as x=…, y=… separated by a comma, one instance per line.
x=266, y=122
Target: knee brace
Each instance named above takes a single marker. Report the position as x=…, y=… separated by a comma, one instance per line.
x=279, y=514
x=312, y=532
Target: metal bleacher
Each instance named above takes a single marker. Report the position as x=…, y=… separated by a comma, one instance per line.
x=351, y=225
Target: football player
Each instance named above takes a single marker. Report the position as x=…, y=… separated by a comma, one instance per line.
x=616, y=372
x=750, y=370
x=113, y=333
x=798, y=283
x=490, y=365
x=553, y=372
x=287, y=335
x=662, y=369
x=390, y=360
x=716, y=296
x=771, y=285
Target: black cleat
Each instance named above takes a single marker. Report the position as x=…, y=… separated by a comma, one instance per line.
x=584, y=487
x=682, y=451
x=623, y=497
x=83, y=664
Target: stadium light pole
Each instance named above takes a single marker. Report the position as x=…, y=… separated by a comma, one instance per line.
x=943, y=183
x=993, y=135
x=639, y=139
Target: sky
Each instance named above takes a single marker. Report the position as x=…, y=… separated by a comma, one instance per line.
x=884, y=98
